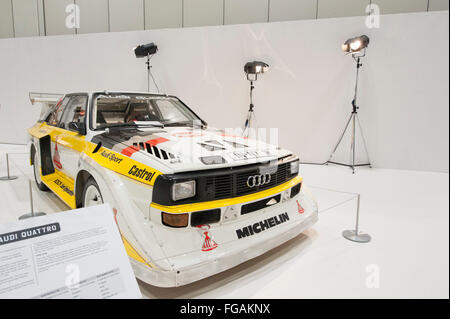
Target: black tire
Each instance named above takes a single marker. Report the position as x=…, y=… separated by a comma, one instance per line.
x=37, y=167
x=90, y=183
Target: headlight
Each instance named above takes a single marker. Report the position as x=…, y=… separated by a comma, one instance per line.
x=294, y=167
x=183, y=190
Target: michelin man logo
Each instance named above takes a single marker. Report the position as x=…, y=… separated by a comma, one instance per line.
x=73, y=17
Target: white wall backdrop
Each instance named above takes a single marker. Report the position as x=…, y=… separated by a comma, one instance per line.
x=306, y=93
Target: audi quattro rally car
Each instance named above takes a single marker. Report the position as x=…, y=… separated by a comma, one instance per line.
x=189, y=201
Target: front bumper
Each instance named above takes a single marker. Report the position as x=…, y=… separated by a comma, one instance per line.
x=196, y=265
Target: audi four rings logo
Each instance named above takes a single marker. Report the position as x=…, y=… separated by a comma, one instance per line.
x=258, y=180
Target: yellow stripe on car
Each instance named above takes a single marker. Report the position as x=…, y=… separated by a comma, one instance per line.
x=186, y=208
x=132, y=253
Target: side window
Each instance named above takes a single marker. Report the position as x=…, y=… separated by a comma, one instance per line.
x=74, y=112
x=55, y=116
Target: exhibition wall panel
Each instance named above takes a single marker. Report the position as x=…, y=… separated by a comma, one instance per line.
x=96, y=15
x=163, y=14
x=198, y=13
x=306, y=94
x=93, y=16
x=435, y=5
x=401, y=6
x=26, y=18
x=55, y=17
x=285, y=10
x=6, y=19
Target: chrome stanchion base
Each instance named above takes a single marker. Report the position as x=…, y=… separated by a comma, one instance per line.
x=31, y=215
x=8, y=178
x=356, y=237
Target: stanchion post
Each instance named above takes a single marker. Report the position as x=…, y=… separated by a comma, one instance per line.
x=356, y=235
x=8, y=177
x=32, y=214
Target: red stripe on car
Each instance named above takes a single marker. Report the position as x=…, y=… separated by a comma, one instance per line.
x=156, y=141
x=129, y=151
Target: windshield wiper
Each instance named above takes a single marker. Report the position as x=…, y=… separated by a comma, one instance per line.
x=118, y=125
x=180, y=123
x=134, y=125
x=149, y=123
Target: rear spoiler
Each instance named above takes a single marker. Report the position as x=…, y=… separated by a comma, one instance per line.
x=47, y=101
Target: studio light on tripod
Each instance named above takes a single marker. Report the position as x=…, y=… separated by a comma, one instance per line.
x=356, y=47
x=147, y=51
x=252, y=69
x=144, y=50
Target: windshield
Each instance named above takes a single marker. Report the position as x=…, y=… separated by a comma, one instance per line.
x=139, y=110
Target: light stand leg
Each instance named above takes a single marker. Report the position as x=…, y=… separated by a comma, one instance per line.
x=355, y=235
x=8, y=177
x=364, y=140
x=353, y=142
x=340, y=139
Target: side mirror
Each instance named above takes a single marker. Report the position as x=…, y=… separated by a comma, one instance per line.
x=78, y=127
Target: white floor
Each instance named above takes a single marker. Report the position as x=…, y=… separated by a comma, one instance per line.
x=406, y=213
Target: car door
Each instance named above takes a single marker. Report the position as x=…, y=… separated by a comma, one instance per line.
x=70, y=138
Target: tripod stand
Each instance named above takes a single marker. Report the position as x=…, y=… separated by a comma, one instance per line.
x=353, y=119
x=149, y=74
x=251, y=115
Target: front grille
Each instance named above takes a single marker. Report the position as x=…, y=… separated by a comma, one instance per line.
x=235, y=184
x=229, y=182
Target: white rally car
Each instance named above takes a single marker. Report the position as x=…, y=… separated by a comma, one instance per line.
x=189, y=201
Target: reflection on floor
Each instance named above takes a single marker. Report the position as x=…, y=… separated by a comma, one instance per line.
x=405, y=212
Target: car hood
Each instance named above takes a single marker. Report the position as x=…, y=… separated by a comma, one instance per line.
x=175, y=149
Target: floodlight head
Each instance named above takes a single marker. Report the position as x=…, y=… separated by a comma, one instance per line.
x=355, y=45
x=144, y=50
x=252, y=69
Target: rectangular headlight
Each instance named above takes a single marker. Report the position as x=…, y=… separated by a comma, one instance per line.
x=183, y=190
x=294, y=167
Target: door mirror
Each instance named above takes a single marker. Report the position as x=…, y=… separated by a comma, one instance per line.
x=78, y=127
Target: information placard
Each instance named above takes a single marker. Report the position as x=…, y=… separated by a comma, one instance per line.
x=72, y=254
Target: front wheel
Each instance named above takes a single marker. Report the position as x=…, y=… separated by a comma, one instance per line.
x=37, y=173
x=91, y=194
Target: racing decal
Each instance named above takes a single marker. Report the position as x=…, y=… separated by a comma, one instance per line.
x=124, y=165
x=247, y=155
x=121, y=141
x=64, y=187
x=111, y=157
x=301, y=210
x=208, y=242
x=157, y=141
x=262, y=226
x=141, y=173
x=56, y=157
x=188, y=134
x=130, y=150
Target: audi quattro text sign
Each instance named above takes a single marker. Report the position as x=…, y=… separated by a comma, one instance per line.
x=70, y=255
